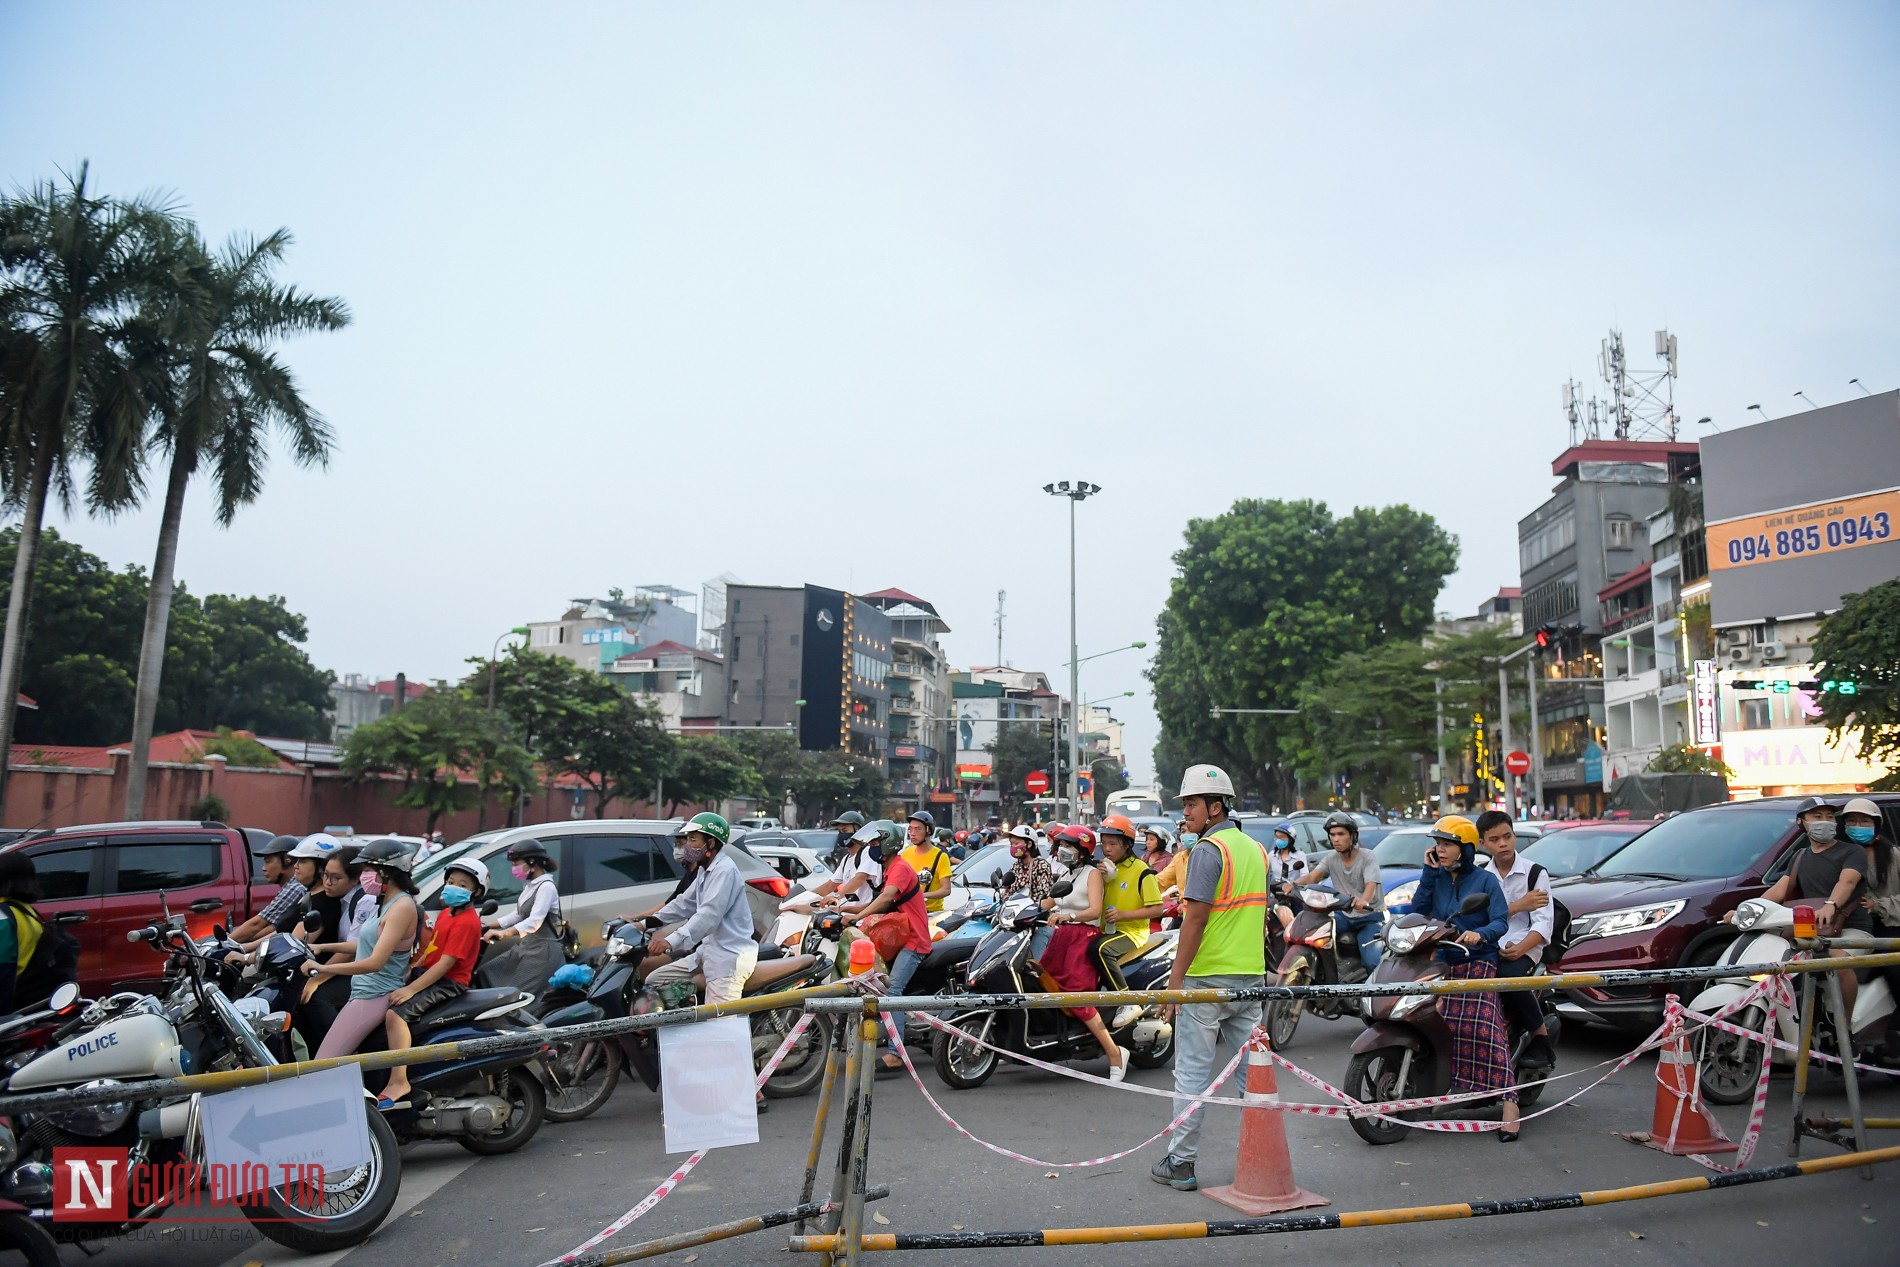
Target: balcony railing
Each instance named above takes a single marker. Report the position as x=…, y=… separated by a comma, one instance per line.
x=1628, y=620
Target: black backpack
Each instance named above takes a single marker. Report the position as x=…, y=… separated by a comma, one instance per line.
x=1559, y=921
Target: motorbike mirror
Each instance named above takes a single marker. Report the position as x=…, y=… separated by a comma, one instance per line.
x=312, y=921
x=64, y=997
x=489, y=908
x=1063, y=888
x=1476, y=902
x=218, y=931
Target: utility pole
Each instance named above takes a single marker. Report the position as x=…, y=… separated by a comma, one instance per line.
x=1537, y=743
x=1000, y=596
x=1504, y=740
x=1081, y=489
x=1438, y=709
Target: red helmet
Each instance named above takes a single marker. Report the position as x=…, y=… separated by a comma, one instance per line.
x=1081, y=837
x=962, y=836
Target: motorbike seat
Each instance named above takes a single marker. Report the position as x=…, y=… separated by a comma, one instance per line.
x=767, y=974
x=1155, y=942
x=771, y=950
x=946, y=954
x=465, y=1007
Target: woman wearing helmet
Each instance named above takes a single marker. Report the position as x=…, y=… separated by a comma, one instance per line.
x=383, y=948
x=446, y=967
x=528, y=937
x=1480, y=1046
x=1029, y=870
x=1061, y=949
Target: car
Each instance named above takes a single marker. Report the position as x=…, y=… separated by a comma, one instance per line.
x=606, y=867
x=1658, y=901
x=797, y=862
x=1401, y=859
x=101, y=881
x=759, y=823
x=1575, y=850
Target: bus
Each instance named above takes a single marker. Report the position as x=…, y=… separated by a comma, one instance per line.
x=1136, y=803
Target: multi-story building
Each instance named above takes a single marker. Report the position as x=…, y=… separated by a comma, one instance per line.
x=687, y=684
x=990, y=701
x=1587, y=536
x=814, y=660
x=920, y=701
x=358, y=701
x=594, y=632
x=1503, y=610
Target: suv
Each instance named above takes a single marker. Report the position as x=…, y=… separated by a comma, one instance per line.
x=1658, y=901
x=103, y=880
x=606, y=867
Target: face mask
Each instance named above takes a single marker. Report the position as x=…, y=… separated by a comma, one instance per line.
x=371, y=883
x=1068, y=857
x=1018, y=848
x=520, y=871
x=455, y=895
x=679, y=854
x=1861, y=835
x=695, y=855
x=1821, y=832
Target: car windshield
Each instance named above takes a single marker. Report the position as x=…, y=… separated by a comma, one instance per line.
x=1402, y=849
x=1704, y=845
x=1576, y=849
x=982, y=867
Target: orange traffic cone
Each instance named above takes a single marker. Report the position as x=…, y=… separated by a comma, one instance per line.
x=1680, y=1125
x=1263, y=1172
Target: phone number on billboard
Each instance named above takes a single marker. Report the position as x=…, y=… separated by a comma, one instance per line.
x=1788, y=542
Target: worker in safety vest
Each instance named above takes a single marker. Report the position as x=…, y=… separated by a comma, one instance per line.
x=1222, y=946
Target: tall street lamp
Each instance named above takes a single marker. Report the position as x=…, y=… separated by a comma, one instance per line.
x=494, y=655
x=1075, y=492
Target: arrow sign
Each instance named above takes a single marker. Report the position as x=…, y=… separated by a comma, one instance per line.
x=318, y=1119
x=254, y=1129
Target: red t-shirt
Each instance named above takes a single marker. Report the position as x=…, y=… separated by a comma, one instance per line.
x=457, y=933
x=902, y=877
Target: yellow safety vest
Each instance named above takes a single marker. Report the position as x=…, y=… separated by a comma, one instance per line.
x=1234, y=944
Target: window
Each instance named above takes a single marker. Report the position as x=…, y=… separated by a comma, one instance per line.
x=502, y=885
x=1618, y=534
x=149, y=868
x=614, y=862
x=65, y=873
x=735, y=648
x=1755, y=714
x=1545, y=540
x=792, y=641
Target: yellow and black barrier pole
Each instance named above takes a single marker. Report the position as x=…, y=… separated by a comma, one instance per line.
x=232, y=1079
x=707, y=1235
x=1345, y=1219
x=834, y=1071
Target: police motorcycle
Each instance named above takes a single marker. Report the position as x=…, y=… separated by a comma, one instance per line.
x=1729, y=1065
x=131, y=1038
x=999, y=964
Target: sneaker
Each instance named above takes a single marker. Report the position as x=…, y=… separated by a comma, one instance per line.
x=1175, y=1173
x=1117, y=1072
x=1125, y=1016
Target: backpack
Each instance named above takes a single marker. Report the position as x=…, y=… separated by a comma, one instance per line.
x=52, y=961
x=1559, y=921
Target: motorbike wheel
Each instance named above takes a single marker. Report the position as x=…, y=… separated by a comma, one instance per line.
x=1530, y=1085
x=28, y=1239
x=962, y=1065
x=529, y=1106
x=1154, y=1057
x=355, y=1202
x=804, y=1065
x=1730, y=1066
x=584, y=1075
x=1371, y=1077
x=1283, y=1015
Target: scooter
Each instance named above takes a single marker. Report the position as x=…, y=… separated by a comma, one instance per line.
x=1405, y=1050
x=1730, y=1065
x=1319, y=950
x=999, y=965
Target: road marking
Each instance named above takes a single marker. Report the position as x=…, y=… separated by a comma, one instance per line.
x=422, y=1178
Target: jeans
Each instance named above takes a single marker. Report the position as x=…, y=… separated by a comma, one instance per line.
x=901, y=973
x=1358, y=921
x=1198, y=1030
x=1521, y=1010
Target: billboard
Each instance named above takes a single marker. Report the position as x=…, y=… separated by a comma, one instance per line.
x=1803, y=509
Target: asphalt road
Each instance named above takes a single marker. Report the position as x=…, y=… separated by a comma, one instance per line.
x=524, y=1209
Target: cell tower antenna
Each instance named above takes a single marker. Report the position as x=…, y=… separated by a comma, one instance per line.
x=1000, y=596
x=1641, y=404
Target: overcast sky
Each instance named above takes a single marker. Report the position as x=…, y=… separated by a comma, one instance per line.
x=826, y=293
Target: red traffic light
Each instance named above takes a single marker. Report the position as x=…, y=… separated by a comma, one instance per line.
x=1546, y=634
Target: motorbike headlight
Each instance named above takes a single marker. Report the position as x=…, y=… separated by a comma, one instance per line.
x=1402, y=896
x=1749, y=914
x=1402, y=940
x=1318, y=899
x=94, y=1119
x=1629, y=919
x=617, y=947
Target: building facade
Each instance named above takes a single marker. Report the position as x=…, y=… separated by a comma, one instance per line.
x=921, y=720
x=594, y=632
x=686, y=684
x=813, y=660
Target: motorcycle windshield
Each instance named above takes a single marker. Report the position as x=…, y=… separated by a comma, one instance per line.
x=993, y=955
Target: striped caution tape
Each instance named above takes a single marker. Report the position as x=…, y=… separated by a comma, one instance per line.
x=672, y=1181
x=1781, y=996
x=1774, y=1039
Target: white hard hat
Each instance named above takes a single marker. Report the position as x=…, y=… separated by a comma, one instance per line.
x=1859, y=805
x=320, y=844
x=1206, y=780
x=473, y=866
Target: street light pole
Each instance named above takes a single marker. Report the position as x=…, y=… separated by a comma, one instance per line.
x=494, y=655
x=1079, y=491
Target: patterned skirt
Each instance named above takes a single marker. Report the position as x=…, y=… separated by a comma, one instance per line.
x=1480, y=1047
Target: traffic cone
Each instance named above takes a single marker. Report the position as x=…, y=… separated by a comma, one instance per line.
x=1263, y=1171
x=1680, y=1125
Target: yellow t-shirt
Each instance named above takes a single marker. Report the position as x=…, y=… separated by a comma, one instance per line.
x=1174, y=873
x=1131, y=886
x=932, y=866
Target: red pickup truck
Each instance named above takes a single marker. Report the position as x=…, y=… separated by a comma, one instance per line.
x=103, y=880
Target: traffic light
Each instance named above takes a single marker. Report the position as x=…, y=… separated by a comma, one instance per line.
x=1546, y=635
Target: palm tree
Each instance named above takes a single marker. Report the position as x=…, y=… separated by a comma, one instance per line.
x=226, y=391
x=79, y=276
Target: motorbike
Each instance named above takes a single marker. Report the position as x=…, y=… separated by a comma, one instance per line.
x=1405, y=1050
x=999, y=965
x=129, y=1038
x=1729, y=1065
x=1319, y=950
x=29, y=1032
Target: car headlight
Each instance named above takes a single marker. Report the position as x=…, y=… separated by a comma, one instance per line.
x=1630, y=919
x=1401, y=896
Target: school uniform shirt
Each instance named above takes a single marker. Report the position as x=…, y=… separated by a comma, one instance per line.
x=1131, y=886
x=860, y=865
x=1516, y=883
x=457, y=932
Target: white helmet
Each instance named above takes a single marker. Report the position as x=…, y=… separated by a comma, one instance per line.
x=1206, y=780
x=1023, y=831
x=1859, y=805
x=473, y=866
x=319, y=844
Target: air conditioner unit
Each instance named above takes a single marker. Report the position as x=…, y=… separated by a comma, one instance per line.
x=1738, y=653
x=1774, y=651
x=1734, y=637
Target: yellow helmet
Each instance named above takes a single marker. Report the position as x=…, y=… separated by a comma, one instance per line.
x=1457, y=829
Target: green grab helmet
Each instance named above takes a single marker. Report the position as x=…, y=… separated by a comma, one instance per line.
x=711, y=824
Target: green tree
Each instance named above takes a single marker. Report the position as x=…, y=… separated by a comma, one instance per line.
x=611, y=742
x=226, y=390
x=829, y=782
x=1683, y=758
x=239, y=750
x=541, y=695
x=445, y=747
x=240, y=662
x=1860, y=643
x=772, y=755
x=1014, y=753
x=707, y=770
x=78, y=277
x=1270, y=595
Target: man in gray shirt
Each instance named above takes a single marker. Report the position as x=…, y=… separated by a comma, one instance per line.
x=1354, y=872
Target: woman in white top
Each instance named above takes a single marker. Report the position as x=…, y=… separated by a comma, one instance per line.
x=533, y=946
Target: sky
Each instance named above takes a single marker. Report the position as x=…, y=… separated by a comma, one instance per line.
x=827, y=292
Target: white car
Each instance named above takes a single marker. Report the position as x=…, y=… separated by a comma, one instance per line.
x=758, y=823
x=800, y=864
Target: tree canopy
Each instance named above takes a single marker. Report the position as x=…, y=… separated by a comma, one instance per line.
x=1860, y=643
x=430, y=744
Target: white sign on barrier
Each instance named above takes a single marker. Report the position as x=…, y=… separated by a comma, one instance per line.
x=706, y=1093
x=318, y=1119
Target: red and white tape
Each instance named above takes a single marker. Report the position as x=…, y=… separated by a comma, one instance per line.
x=672, y=1181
